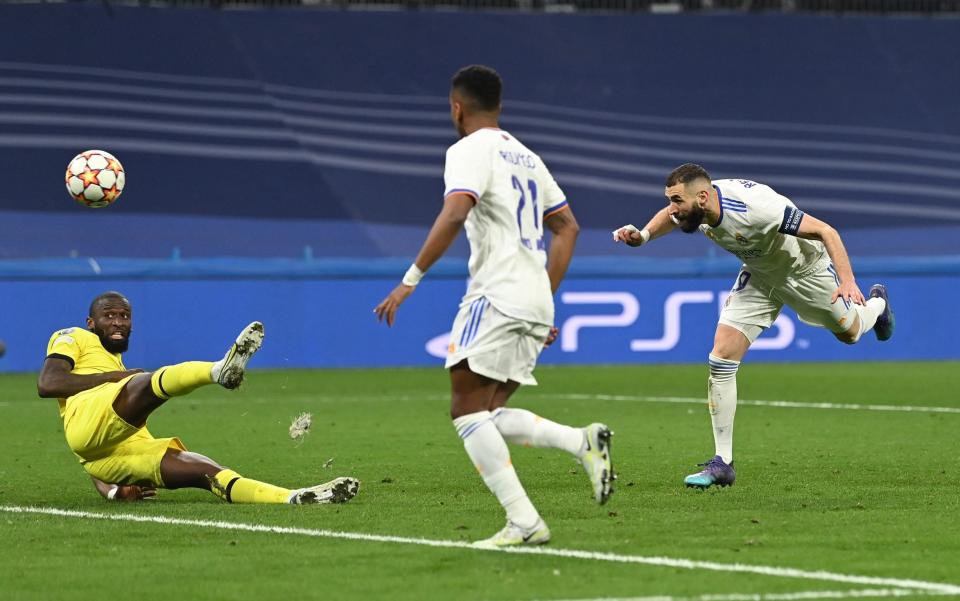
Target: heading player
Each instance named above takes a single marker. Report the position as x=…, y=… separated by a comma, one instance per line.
x=790, y=258
x=104, y=407
x=503, y=194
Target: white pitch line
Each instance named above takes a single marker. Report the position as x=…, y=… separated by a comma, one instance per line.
x=690, y=564
x=799, y=596
x=433, y=396
x=785, y=404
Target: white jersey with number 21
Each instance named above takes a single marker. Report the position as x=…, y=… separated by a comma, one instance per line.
x=513, y=192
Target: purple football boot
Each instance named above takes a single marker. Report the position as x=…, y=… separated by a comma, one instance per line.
x=885, y=322
x=715, y=472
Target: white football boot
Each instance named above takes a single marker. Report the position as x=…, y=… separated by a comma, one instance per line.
x=596, y=461
x=512, y=535
x=228, y=372
x=339, y=490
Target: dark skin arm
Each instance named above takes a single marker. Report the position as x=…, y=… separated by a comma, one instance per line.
x=125, y=492
x=56, y=382
x=445, y=229
x=565, y=230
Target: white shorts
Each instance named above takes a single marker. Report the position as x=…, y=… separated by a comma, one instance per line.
x=495, y=345
x=753, y=305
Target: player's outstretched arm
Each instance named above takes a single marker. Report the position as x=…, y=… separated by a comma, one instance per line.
x=56, y=381
x=565, y=229
x=123, y=492
x=445, y=229
x=661, y=224
x=812, y=228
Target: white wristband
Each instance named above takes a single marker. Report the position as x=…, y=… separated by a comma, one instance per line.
x=112, y=493
x=413, y=276
x=645, y=234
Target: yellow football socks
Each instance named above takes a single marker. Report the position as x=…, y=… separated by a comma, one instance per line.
x=234, y=488
x=179, y=379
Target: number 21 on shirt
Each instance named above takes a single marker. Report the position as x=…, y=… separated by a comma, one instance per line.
x=531, y=186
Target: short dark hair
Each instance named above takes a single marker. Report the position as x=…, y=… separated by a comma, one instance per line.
x=105, y=296
x=481, y=84
x=686, y=173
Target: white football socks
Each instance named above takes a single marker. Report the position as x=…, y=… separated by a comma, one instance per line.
x=488, y=451
x=868, y=314
x=519, y=426
x=722, y=402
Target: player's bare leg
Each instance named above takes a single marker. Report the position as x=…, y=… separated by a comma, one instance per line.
x=590, y=445
x=144, y=393
x=136, y=400
x=184, y=469
x=729, y=347
x=471, y=399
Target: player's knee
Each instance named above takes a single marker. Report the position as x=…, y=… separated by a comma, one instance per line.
x=461, y=407
x=848, y=337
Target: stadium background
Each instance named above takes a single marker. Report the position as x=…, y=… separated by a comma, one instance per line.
x=284, y=165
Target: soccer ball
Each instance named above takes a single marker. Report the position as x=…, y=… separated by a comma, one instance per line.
x=95, y=178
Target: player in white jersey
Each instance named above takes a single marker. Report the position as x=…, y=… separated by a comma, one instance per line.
x=789, y=258
x=504, y=196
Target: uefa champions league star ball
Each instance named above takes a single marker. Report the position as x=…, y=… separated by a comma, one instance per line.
x=95, y=178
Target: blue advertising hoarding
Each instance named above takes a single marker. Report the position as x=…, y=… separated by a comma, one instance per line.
x=329, y=322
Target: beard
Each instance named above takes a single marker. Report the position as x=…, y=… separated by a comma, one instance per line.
x=112, y=346
x=692, y=221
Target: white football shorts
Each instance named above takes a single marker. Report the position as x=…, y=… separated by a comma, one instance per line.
x=753, y=305
x=495, y=345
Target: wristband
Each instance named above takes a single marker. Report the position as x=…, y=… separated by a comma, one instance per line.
x=645, y=234
x=413, y=276
x=112, y=493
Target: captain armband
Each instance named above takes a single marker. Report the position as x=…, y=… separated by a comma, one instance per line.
x=792, y=216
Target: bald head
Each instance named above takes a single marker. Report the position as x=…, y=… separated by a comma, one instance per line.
x=107, y=297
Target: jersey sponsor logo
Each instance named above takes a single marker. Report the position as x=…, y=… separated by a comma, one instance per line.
x=752, y=253
x=65, y=339
x=792, y=216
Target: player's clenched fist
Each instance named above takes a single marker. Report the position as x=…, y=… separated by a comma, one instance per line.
x=630, y=235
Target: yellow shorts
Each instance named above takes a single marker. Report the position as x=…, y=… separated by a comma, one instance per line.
x=109, y=448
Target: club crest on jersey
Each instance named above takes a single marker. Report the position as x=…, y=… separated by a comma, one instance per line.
x=741, y=239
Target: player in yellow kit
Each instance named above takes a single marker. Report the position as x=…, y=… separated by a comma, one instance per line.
x=104, y=407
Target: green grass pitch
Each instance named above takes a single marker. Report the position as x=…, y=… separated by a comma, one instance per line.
x=860, y=492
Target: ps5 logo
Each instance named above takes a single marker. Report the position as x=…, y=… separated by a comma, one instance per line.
x=626, y=310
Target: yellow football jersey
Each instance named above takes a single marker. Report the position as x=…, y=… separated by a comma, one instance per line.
x=82, y=348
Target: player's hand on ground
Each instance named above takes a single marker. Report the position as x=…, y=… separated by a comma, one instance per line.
x=629, y=235
x=551, y=336
x=387, y=309
x=133, y=492
x=848, y=291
